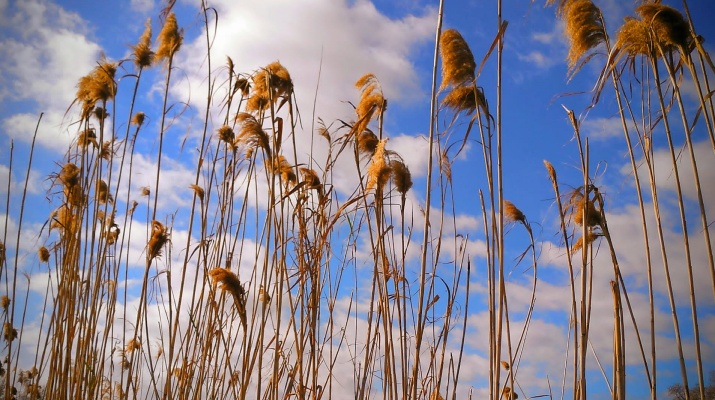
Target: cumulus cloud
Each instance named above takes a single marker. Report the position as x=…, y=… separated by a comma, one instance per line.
x=45, y=52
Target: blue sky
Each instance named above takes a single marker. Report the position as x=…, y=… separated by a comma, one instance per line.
x=46, y=46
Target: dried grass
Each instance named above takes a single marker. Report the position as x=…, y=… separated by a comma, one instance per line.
x=143, y=55
x=169, y=40
x=584, y=28
x=230, y=282
x=159, y=237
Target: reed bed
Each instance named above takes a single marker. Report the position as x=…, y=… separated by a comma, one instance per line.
x=271, y=284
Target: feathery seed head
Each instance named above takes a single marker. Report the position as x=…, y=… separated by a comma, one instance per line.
x=69, y=175
x=634, y=38
x=145, y=191
x=138, y=119
x=198, y=190
x=584, y=28
x=225, y=134
x=371, y=101
x=590, y=237
x=367, y=142
x=551, y=170
x=43, y=254
x=103, y=195
x=169, y=40
x=143, y=56
x=401, y=176
x=513, y=214
x=86, y=137
x=457, y=59
x=4, y=302
x=270, y=83
x=252, y=134
x=379, y=171
x=668, y=24
x=9, y=333
x=466, y=98
x=159, y=237
x=311, y=179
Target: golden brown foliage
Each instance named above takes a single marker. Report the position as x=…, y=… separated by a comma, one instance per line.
x=367, y=142
x=138, y=118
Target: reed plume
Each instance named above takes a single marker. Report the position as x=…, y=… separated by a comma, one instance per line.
x=367, y=142
x=143, y=55
x=457, y=60
x=251, y=133
x=169, y=40
x=269, y=84
x=96, y=87
x=230, y=283
x=584, y=29
x=43, y=254
x=379, y=171
x=138, y=119
x=666, y=23
x=401, y=176
x=466, y=99
x=371, y=101
x=512, y=213
x=159, y=237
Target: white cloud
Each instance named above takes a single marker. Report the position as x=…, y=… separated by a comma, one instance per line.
x=47, y=54
x=604, y=128
x=142, y=6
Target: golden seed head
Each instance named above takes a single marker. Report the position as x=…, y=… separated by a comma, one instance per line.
x=134, y=344
x=169, y=40
x=584, y=28
x=457, y=60
x=372, y=102
x=86, y=137
x=670, y=28
x=225, y=134
x=69, y=175
x=270, y=83
x=159, y=237
x=4, y=302
x=379, y=171
x=251, y=133
x=145, y=191
x=311, y=179
x=512, y=214
x=466, y=98
x=138, y=118
x=552, y=171
x=143, y=56
x=230, y=283
x=43, y=254
x=102, y=191
x=198, y=190
x=590, y=237
x=367, y=142
x=401, y=176
x=9, y=333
